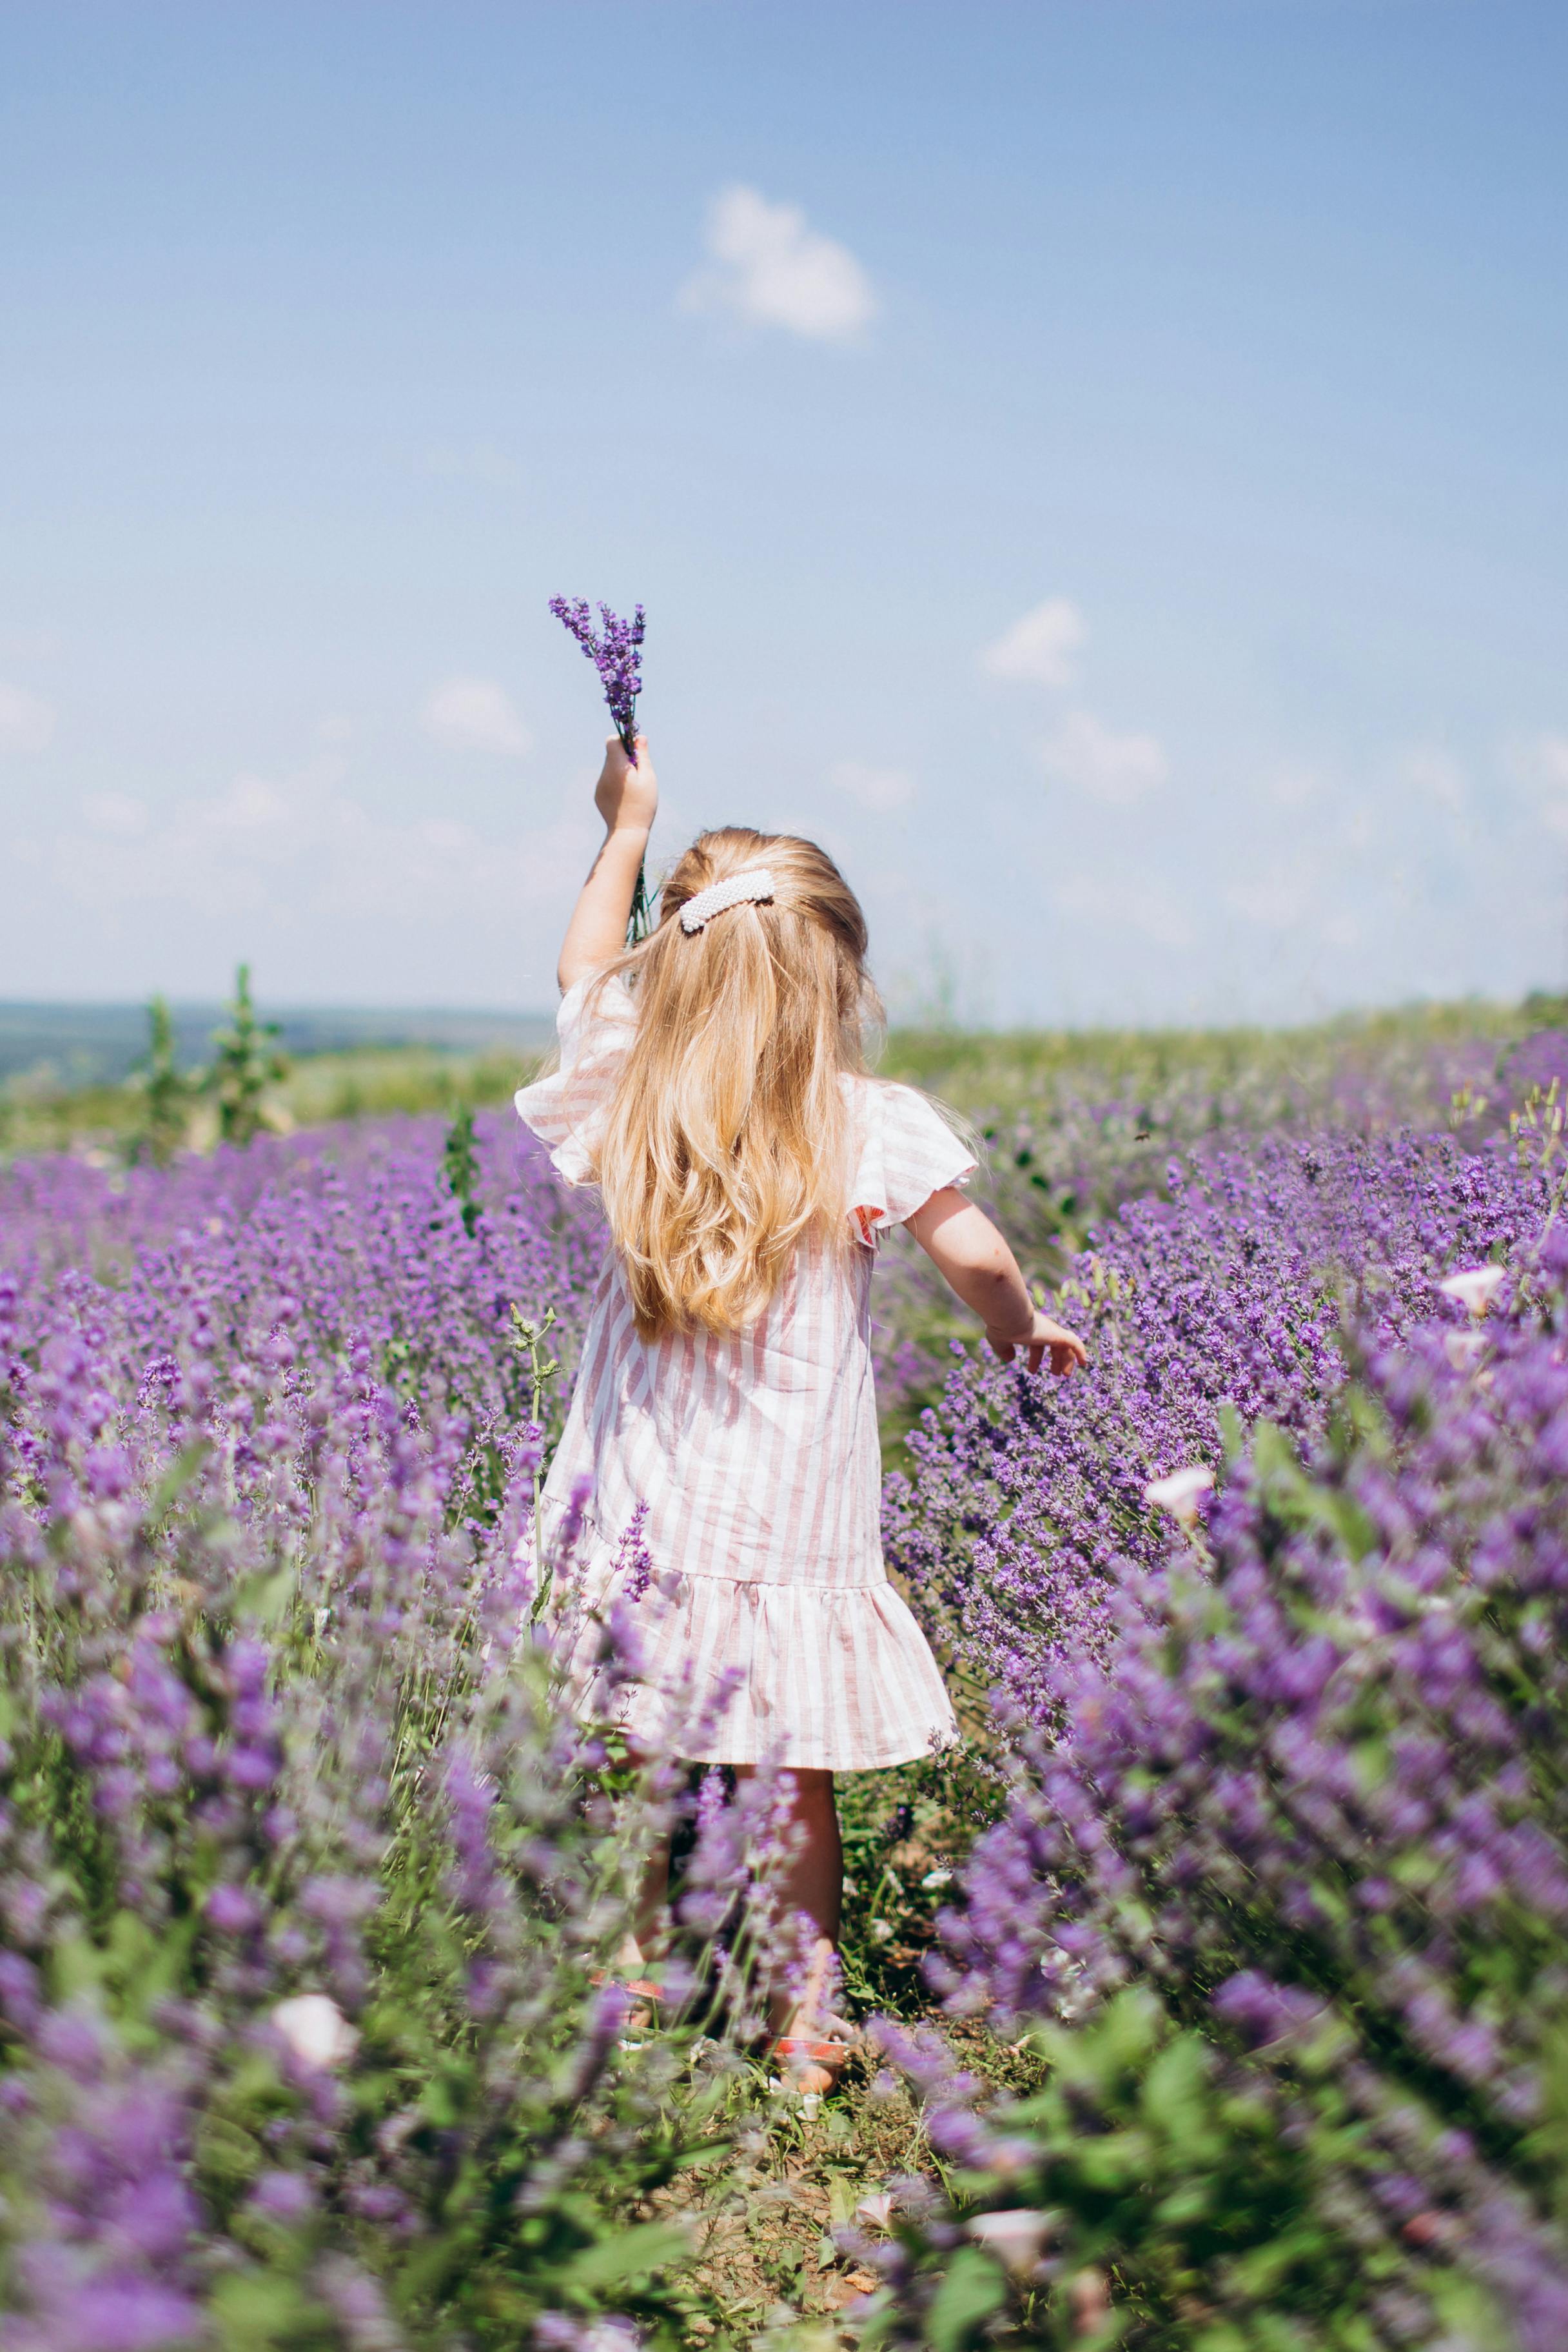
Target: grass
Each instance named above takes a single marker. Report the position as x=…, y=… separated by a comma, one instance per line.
x=365, y=1082
x=989, y=1074
x=984, y=1071
x=768, y=2271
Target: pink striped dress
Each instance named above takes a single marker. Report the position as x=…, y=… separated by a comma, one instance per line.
x=765, y=1629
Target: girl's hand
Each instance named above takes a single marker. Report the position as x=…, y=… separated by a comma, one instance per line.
x=626, y=794
x=1065, y=1349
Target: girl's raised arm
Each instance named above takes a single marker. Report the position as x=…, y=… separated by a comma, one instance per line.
x=626, y=797
x=974, y=1260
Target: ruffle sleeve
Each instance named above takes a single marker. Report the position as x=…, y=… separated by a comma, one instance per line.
x=905, y=1151
x=568, y=1108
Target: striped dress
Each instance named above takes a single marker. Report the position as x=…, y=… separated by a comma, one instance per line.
x=765, y=1628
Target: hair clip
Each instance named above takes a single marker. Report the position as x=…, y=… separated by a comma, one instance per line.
x=756, y=882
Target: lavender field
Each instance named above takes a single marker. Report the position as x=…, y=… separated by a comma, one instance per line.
x=1217, y=1993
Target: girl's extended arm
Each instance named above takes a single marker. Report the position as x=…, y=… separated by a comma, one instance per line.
x=626, y=797
x=973, y=1259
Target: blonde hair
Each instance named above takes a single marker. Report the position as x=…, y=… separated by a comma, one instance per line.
x=727, y=1134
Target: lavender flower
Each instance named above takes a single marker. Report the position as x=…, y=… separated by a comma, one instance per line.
x=616, y=652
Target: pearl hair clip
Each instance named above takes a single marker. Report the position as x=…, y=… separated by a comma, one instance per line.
x=756, y=882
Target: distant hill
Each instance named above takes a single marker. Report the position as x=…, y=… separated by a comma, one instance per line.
x=71, y=1046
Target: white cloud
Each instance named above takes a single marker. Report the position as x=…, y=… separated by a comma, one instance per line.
x=1116, y=769
x=476, y=461
x=880, y=790
x=1540, y=763
x=1294, y=786
x=26, y=720
x=475, y=714
x=118, y=815
x=297, y=851
x=1039, y=649
x=1114, y=905
x=776, y=272
x=1276, y=900
x=1436, y=774
x=253, y=805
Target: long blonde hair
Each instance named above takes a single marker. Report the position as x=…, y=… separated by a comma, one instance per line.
x=726, y=1138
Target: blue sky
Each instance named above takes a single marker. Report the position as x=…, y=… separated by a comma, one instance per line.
x=1099, y=466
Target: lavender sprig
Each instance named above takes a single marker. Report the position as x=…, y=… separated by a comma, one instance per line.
x=616, y=655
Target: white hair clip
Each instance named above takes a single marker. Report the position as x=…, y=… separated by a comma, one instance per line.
x=756, y=882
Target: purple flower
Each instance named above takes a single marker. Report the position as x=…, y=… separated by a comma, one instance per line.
x=234, y=1910
x=616, y=652
x=283, y=2196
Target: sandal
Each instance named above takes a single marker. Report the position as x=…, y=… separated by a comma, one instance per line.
x=815, y=2061
x=642, y=1996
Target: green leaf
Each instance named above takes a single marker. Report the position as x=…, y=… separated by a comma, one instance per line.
x=77, y=1968
x=1173, y=2089
x=175, y=1480
x=973, y=2289
x=264, y=1598
x=647, y=2247
x=256, y=2310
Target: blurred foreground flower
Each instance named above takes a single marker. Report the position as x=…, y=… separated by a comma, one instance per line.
x=316, y=2030
x=1474, y=1287
x=1181, y=1492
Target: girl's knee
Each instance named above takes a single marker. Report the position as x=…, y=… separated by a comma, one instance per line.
x=813, y=1791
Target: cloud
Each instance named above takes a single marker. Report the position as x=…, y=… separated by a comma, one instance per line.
x=475, y=714
x=880, y=790
x=297, y=851
x=475, y=461
x=1113, y=905
x=118, y=815
x=1276, y=900
x=1540, y=762
x=775, y=271
x=26, y=721
x=1039, y=649
x=1436, y=775
x=1115, y=769
x=1294, y=786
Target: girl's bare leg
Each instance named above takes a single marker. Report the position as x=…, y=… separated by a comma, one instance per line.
x=648, y=1927
x=812, y=1882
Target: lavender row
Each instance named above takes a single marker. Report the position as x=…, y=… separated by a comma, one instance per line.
x=306, y=1879
x=1218, y=1306
x=1283, y=1903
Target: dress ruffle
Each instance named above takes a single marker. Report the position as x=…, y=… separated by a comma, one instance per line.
x=838, y=1678
x=907, y=1152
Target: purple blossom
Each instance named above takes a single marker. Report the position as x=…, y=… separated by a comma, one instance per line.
x=616, y=652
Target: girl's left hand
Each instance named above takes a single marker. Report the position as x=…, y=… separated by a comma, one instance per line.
x=1065, y=1349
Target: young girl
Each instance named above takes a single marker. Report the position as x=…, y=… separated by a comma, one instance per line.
x=712, y=1085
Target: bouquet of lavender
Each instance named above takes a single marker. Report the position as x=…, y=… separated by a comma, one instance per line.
x=616, y=654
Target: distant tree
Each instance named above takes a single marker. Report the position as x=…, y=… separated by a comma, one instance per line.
x=246, y=1064
x=167, y=1091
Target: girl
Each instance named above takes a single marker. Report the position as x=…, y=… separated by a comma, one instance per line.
x=712, y=1083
